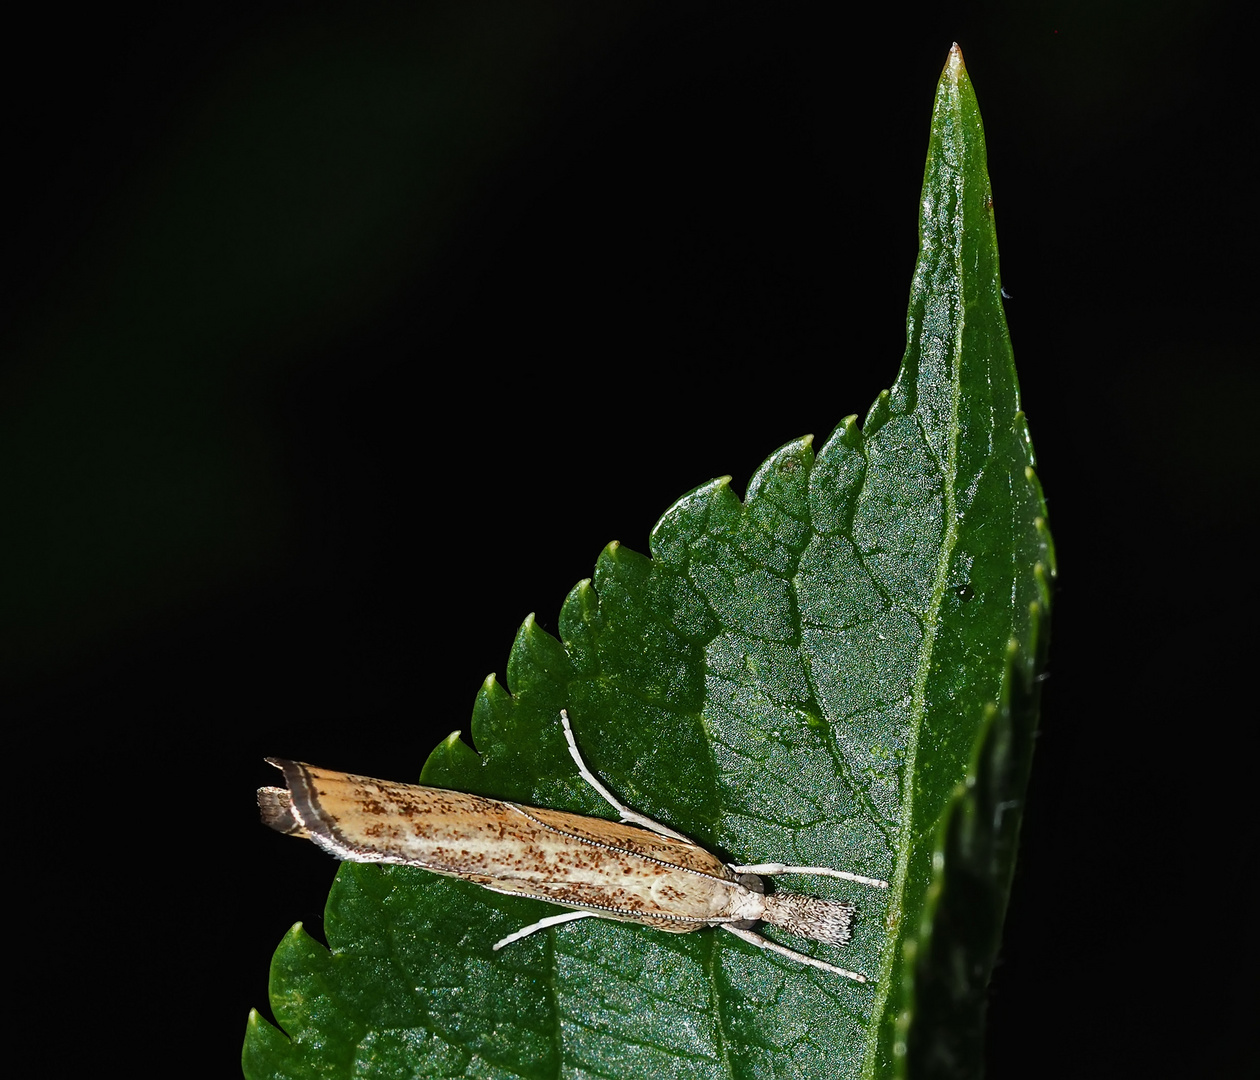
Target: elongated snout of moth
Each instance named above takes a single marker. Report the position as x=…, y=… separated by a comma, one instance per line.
x=635, y=870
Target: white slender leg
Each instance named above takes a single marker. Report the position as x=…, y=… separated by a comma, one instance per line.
x=771, y=946
x=773, y=868
x=542, y=924
x=633, y=817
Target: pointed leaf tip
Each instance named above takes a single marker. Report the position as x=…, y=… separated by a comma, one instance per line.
x=955, y=62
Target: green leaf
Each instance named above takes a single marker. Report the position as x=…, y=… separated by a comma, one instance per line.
x=837, y=671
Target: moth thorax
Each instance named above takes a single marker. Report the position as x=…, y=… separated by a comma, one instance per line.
x=808, y=916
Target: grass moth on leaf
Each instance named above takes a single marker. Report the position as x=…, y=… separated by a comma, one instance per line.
x=636, y=870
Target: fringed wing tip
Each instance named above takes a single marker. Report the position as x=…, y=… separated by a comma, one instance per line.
x=275, y=806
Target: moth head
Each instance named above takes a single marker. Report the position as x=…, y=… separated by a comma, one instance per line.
x=808, y=916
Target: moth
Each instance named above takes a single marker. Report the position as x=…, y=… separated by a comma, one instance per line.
x=636, y=870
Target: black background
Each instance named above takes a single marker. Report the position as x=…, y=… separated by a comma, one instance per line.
x=336, y=342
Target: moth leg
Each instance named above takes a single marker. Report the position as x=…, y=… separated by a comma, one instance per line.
x=770, y=946
x=773, y=868
x=542, y=924
x=633, y=817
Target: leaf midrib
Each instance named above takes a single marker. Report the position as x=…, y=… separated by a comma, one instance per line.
x=931, y=624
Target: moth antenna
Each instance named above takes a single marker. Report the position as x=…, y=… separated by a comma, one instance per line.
x=801, y=958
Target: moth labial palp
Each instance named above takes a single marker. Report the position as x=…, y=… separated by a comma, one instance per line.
x=636, y=870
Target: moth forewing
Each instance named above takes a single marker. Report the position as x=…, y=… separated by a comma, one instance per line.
x=621, y=871
x=641, y=872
